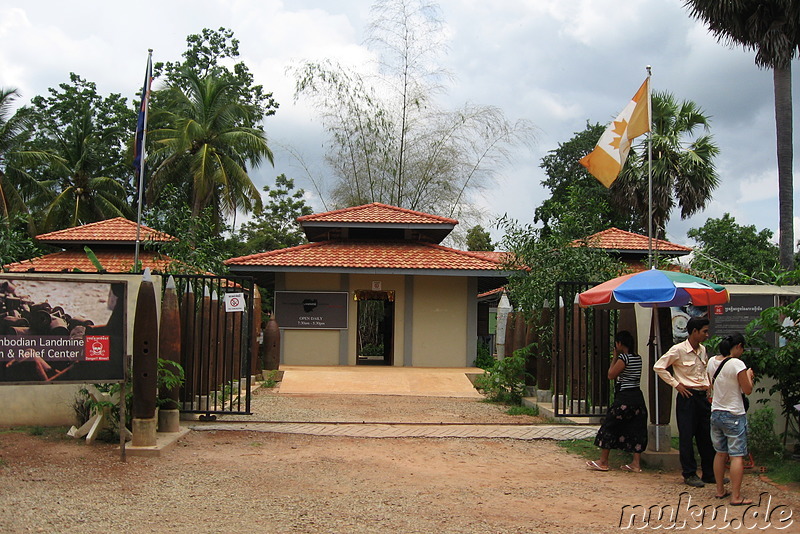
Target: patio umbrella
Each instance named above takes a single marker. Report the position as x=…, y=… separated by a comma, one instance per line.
x=654, y=288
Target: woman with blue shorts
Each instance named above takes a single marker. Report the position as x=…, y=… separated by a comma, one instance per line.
x=730, y=381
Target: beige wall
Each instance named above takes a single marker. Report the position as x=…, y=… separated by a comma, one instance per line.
x=440, y=321
x=51, y=404
x=439, y=318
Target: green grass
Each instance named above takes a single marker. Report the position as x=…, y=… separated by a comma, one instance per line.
x=586, y=448
x=523, y=410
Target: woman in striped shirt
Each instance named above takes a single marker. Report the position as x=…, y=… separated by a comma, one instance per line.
x=625, y=426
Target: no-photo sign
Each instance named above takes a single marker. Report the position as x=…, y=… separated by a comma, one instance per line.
x=234, y=302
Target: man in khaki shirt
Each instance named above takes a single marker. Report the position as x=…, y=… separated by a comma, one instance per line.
x=692, y=408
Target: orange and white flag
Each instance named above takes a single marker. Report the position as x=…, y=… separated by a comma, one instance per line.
x=608, y=157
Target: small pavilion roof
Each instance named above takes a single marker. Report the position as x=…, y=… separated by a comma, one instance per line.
x=117, y=231
x=623, y=242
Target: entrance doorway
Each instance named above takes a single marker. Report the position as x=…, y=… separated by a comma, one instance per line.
x=375, y=340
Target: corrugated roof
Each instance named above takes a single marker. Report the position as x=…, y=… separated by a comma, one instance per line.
x=371, y=255
x=112, y=231
x=376, y=213
x=119, y=261
x=616, y=239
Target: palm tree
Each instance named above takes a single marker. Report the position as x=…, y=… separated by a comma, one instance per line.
x=16, y=159
x=206, y=144
x=82, y=191
x=682, y=165
x=772, y=29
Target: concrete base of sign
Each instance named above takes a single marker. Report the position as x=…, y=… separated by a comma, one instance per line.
x=666, y=461
x=144, y=432
x=163, y=442
x=169, y=420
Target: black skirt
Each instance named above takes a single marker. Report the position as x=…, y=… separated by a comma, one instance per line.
x=625, y=426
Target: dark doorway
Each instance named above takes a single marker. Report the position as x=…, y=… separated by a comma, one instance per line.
x=375, y=340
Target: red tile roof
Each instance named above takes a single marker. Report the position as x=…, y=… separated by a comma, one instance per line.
x=371, y=255
x=113, y=231
x=377, y=213
x=620, y=240
x=118, y=261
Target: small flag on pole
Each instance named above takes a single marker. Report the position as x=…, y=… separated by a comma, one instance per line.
x=606, y=160
x=141, y=121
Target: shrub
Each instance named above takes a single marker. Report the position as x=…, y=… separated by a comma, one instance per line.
x=762, y=441
x=504, y=381
x=484, y=358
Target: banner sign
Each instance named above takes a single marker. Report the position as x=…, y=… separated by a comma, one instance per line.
x=734, y=316
x=318, y=309
x=64, y=330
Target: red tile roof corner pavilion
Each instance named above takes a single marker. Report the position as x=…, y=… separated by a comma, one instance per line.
x=117, y=231
x=616, y=240
x=113, y=261
x=376, y=213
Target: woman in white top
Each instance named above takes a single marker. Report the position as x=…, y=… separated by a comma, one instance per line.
x=728, y=418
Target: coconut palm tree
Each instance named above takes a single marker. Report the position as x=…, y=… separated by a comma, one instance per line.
x=682, y=165
x=203, y=143
x=772, y=29
x=81, y=190
x=16, y=158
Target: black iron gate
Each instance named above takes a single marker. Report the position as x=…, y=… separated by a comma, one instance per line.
x=583, y=344
x=216, y=329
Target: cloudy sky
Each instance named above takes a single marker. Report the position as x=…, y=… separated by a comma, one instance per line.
x=557, y=63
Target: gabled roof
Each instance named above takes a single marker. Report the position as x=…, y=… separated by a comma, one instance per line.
x=117, y=231
x=620, y=241
x=371, y=256
x=376, y=221
x=376, y=213
x=113, y=261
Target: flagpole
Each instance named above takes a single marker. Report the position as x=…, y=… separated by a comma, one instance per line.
x=650, y=262
x=142, y=155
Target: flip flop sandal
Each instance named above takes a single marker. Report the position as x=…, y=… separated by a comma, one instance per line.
x=630, y=469
x=727, y=494
x=594, y=466
x=743, y=502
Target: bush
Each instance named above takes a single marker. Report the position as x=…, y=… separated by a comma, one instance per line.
x=484, y=358
x=504, y=381
x=762, y=441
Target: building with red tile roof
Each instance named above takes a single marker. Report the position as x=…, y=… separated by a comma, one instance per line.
x=632, y=248
x=112, y=241
x=403, y=299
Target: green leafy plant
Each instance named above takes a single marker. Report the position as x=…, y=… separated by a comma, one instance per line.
x=484, y=358
x=504, y=381
x=270, y=380
x=762, y=441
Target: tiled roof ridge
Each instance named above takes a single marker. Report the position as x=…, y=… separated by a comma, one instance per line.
x=658, y=243
x=60, y=234
x=439, y=218
x=278, y=251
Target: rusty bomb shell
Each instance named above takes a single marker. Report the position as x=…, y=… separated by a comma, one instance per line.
x=272, y=340
x=145, y=350
x=169, y=338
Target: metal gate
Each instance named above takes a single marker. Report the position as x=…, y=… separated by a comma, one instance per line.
x=583, y=344
x=216, y=330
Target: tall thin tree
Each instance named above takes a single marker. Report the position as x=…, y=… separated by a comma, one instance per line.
x=771, y=28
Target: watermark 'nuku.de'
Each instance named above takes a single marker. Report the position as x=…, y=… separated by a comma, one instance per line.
x=757, y=516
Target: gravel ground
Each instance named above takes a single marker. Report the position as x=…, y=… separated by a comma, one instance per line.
x=268, y=482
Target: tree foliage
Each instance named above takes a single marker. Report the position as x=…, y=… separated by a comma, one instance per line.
x=88, y=181
x=778, y=362
x=579, y=205
x=390, y=141
x=204, y=146
x=683, y=168
x=731, y=253
x=479, y=239
x=274, y=226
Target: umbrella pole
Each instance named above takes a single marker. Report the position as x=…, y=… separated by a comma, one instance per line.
x=654, y=317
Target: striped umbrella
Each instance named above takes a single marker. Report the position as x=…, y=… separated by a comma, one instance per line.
x=654, y=288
